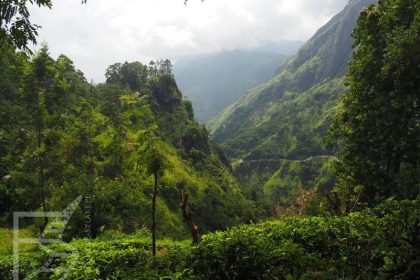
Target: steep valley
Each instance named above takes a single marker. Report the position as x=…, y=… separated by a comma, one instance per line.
x=288, y=117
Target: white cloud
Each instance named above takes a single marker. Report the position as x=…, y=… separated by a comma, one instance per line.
x=107, y=31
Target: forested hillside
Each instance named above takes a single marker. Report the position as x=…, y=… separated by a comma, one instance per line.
x=288, y=117
x=214, y=81
x=62, y=137
x=324, y=185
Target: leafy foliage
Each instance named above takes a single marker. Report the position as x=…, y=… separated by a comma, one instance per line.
x=380, y=243
x=354, y=247
x=61, y=137
x=377, y=129
x=15, y=26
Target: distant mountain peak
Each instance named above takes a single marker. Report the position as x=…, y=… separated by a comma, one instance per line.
x=287, y=117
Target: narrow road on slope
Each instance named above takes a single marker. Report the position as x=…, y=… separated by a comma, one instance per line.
x=284, y=159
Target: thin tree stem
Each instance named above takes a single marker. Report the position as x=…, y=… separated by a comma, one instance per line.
x=154, y=214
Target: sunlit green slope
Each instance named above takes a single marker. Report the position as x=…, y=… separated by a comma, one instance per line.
x=61, y=137
x=287, y=117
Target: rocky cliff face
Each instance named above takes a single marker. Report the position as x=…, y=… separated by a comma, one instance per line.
x=287, y=117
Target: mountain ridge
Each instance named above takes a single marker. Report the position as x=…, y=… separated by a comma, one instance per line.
x=315, y=62
x=288, y=116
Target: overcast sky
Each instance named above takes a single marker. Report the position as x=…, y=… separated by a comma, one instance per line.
x=103, y=32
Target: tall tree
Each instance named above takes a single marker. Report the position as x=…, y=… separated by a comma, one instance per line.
x=39, y=97
x=12, y=117
x=378, y=127
x=155, y=164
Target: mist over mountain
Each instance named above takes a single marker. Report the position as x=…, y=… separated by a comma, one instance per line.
x=283, y=47
x=214, y=81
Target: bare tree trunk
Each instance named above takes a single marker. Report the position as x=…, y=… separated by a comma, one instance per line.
x=154, y=214
x=186, y=213
x=336, y=203
x=42, y=182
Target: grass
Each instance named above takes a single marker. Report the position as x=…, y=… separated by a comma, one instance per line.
x=6, y=240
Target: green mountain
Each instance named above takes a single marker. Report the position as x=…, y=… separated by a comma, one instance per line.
x=214, y=81
x=287, y=117
x=61, y=137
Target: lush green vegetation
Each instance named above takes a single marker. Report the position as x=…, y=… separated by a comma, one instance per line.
x=380, y=243
x=130, y=145
x=377, y=129
x=288, y=117
x=62, y=137
x=273, y=182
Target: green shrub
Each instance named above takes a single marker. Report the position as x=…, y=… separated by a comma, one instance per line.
x=125, y=257
x=379, y=243
x=375, y=244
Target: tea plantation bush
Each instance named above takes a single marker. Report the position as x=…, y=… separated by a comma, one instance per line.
x=380, y=243
x=119, y=257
